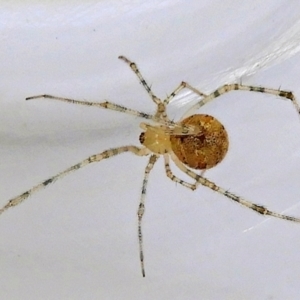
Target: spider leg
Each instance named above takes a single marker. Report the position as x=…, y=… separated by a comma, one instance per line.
x=258, y=208
x=181, y=86
x=156, y=100
x=105, y=104
x=93, y=158
x=176, y=179
x=135, y=69
x=172, y=127
x=161, y=107
x=141, y=209
x=231, y=87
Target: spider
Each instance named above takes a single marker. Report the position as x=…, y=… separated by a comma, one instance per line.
x=196, y=142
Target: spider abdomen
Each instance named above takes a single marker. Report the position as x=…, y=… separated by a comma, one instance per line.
x=203, y=150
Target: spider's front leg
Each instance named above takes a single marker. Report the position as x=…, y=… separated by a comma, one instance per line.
x=135, y=69
x=234, y=87
x=105, y=104
x=160, y=104
x=182, y=86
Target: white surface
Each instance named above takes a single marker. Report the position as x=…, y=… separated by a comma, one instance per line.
x=77, y=239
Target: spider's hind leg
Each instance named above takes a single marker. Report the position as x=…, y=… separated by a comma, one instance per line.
x=141, y=209
x=175, y=178
x=255, y=207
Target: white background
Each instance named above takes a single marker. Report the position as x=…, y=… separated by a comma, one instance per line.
x=77, y=239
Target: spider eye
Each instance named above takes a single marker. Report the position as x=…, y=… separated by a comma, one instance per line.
x=142, y=138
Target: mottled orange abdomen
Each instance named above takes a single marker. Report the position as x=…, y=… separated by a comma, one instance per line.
x=204, y=150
